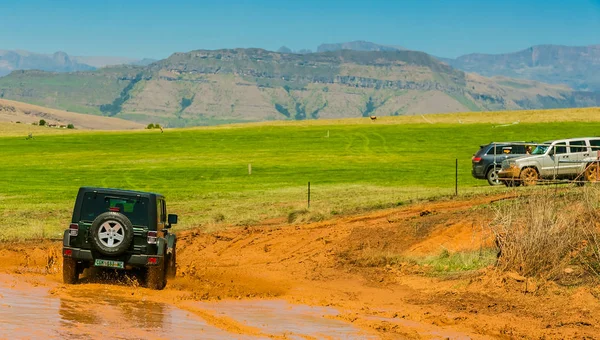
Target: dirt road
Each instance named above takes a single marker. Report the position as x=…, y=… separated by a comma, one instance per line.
x=327, y=280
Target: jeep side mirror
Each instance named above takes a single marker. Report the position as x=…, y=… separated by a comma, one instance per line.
x=172, y=219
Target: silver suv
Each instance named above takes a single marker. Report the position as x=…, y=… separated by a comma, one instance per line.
x=575, y=158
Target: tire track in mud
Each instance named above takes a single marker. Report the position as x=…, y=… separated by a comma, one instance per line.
x=226, y=323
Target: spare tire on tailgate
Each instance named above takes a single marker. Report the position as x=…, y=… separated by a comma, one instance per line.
x=111, y=233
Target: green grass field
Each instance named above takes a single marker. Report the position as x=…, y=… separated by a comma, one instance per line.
x=204, y=171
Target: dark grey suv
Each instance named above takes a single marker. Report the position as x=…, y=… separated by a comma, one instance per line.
x=487, y=162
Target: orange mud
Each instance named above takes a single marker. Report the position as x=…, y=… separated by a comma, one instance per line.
x=325, y=280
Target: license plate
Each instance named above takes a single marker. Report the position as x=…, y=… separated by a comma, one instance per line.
x=109, y=264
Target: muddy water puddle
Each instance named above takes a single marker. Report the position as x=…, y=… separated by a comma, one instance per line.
x=278, y=317
x=32, y=312
x=103, y=311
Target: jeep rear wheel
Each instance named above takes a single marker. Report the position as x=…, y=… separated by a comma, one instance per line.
x=112, y=233
x=172, y=264
x=529, y=176
x=70, y=272
x=155, y=277
x=492, y=176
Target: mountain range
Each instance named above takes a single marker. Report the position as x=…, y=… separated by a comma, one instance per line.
x=575, y=66
x=23, y=60
x=358, y=45
x=238, y=85
x=58, y=62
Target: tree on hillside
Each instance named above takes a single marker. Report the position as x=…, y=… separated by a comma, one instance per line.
x=42, y=122
x=300, y=112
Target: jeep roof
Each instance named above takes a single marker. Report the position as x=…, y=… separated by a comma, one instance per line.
x=120, y=192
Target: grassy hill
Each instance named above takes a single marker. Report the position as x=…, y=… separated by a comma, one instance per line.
x=352, y=164
x=243, y=85
x=82, y=92
x=12, y=111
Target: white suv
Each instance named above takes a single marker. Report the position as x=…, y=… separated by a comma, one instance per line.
x=574, y=158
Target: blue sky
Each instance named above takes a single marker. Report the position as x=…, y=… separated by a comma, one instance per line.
x=155, y=29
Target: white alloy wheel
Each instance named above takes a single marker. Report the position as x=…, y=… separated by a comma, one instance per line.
x=111, y=233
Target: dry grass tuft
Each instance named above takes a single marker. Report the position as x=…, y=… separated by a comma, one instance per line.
x=547, y=231
x=306, y=216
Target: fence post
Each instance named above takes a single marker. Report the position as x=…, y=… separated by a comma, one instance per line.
x=308, y=195
x=456, y=179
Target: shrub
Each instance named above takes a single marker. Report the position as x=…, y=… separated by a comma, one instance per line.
x=543, y=233
x=150, y=126
x=42, y=122
x=218, y=217
x=186, y=102
x=70, y=126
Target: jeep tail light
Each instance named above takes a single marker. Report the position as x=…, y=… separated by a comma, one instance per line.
x=73, y=229
x=152, y=237
x=476, y=159
x=67, y=252
x=152, y=260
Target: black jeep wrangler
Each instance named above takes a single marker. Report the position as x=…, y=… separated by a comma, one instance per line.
x=120, y=229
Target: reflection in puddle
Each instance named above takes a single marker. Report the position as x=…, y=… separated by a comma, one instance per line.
x=282, y=318
x=85, y=312
x=31, y=312
x=26, y=313
x=108, y=314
